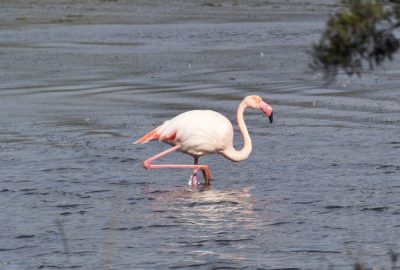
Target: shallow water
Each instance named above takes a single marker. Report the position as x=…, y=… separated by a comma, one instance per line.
x=320, y=188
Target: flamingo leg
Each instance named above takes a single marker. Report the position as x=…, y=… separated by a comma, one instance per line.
x=147, y=164
x=193, y=178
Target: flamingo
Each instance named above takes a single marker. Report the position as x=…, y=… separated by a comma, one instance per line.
x=200, y=132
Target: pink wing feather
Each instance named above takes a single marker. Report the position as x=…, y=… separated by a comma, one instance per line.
x=159, y=134
x=152, y=135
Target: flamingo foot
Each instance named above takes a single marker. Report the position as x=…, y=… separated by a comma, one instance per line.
x=206, y=175
x=193, y=180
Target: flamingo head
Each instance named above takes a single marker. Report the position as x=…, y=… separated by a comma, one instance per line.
x=257, y=103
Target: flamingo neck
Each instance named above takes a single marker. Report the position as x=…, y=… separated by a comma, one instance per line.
x=239, y=155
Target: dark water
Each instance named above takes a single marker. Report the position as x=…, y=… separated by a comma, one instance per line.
x=320, y=188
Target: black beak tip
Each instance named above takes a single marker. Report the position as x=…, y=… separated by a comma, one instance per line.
x=271, y=117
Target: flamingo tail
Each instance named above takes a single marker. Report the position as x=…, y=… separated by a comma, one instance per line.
x=152, y=135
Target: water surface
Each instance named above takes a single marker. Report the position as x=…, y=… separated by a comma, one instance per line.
x=319, y=190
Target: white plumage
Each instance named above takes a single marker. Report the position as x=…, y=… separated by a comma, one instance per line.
x=198, y=132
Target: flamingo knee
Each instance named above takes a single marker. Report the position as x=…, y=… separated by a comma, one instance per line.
x=146, y=164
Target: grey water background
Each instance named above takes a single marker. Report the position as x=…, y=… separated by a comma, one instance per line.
x=81, y=81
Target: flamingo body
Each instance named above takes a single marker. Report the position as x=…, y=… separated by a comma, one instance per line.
x=198, y=132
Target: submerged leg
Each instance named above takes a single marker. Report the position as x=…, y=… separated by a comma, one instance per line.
x=204, y=168
x=193, y=177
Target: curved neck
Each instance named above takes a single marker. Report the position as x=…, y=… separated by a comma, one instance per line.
x=238, y=155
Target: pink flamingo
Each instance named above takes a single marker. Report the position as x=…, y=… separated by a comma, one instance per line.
x=201, y=132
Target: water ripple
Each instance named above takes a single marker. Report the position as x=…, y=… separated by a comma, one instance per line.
x=75, y=97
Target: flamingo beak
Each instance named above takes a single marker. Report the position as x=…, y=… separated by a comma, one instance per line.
x=264, y=107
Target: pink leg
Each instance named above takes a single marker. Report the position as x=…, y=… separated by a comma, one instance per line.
x=204, y=168
x=193, y=178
